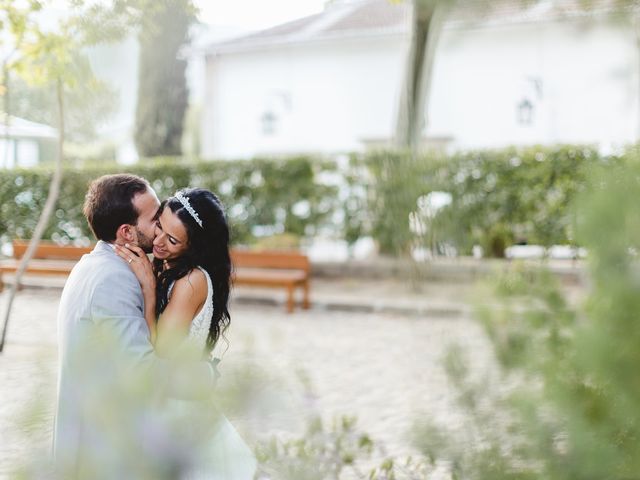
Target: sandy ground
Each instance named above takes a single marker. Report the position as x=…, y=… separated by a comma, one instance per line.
x=384, y=368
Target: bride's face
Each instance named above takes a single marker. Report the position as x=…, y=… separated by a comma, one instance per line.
x=170, y=236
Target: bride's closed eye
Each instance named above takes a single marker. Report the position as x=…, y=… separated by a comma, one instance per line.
x=172, y=240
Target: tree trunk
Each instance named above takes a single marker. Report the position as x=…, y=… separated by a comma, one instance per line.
x=428, y=16
x=7, y=109
x=6, y=72
x=635, y=20
x=163, y=93
x=54, y=190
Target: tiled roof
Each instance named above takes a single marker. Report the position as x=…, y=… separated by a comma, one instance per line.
x=361, y=18
x=372, y=15
x=285, y=29
x=367, y=18
x=516, y=11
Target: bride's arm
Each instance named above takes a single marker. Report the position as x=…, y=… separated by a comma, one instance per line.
x=187, y=297
x=141, y=266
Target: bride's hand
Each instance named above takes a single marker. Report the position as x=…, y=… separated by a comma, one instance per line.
x=140, y=265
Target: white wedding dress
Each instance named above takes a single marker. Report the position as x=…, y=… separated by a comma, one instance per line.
x=224, y=455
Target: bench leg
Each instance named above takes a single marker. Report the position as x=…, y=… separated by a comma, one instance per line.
x=306, y=304
x=290, y=299
x=2, y=285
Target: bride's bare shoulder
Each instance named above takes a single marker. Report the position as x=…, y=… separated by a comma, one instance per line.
x=194, y=283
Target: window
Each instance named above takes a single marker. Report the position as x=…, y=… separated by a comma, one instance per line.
x=524, y=114
x=269, y=123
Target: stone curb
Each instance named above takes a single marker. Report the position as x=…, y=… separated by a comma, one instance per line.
x=441, y=311
x=460, y=270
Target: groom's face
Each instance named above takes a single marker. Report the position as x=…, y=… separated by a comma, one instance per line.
x=146, y=204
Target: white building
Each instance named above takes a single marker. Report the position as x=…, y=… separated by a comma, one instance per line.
x=331, y=82
x=24, y=143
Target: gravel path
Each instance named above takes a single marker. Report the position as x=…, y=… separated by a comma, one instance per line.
x=383, y=368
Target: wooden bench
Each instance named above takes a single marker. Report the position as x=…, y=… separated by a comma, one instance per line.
x=49, y=259
x=290, y=270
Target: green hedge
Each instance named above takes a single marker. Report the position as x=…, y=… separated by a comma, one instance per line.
x=272, y=195
x=498, y=197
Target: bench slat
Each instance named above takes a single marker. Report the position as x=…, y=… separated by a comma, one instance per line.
x=270, y=259
x=47, y=250
x=44, y=267
x=256, y=268
x=272, y=278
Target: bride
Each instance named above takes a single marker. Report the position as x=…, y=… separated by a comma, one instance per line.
x=186, y=291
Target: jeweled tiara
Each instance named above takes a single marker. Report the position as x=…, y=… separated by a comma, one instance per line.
x=185, y=203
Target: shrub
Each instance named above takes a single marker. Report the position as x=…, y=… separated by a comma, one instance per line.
x=498, y=197
x=571, y=411
x=262, y=197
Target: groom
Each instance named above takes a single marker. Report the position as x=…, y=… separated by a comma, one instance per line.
x=105, y=352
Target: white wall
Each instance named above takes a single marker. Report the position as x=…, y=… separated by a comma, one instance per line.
x=327, y=98
x=7, y=153
x=581, y=78
x=587, y=75
x=22, y=153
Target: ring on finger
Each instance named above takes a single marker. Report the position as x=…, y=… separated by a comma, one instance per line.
x=130, y=260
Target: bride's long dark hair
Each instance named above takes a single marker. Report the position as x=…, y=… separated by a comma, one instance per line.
x=207, y=247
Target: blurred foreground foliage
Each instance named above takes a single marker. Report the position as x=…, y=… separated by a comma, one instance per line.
x=140, y=416
x=334, y=450
x=563, y=403
x=440, y=203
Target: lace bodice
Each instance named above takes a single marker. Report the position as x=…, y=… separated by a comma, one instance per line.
x=200, y=324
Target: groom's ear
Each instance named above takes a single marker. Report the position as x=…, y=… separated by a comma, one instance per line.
x=126, y=233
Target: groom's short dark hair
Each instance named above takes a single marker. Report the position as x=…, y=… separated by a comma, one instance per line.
x=109, y=203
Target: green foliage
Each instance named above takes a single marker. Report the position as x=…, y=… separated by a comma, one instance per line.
x=498, y=197
x=59, y=55
x=528, y=192
x=397, y=181
x=150, y=420
x=261, y=196
x=321, y=453
x=89, y=103
x=571, y=410
x=330, y=452
x=35, y=59
x=162, y=87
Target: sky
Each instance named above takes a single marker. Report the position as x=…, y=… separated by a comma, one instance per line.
x=255, y=14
